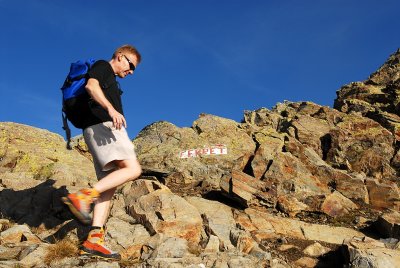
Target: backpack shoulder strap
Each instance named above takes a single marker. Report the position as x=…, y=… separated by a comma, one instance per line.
x=67, y=129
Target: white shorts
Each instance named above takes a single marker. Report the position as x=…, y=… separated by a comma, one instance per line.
x=106, y=144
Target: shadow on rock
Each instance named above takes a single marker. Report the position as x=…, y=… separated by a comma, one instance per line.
x=81, y=232
x=332, y=259
x=40, y=205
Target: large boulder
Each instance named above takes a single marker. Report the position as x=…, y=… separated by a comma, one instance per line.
x=160, y=211
x=202, y=153
x=29, y=156
x=360, y=144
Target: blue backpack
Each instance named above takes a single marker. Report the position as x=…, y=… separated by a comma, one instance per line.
x=75, y=98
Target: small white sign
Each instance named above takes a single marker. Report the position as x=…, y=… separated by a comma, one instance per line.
x=212, y=150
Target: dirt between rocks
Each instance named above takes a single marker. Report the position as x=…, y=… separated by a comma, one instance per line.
x=290, y=249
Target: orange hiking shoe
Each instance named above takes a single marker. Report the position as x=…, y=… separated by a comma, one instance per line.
x=80, y=204
x=94, y=246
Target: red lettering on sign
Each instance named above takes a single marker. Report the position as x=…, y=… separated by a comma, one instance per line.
x=213, y=150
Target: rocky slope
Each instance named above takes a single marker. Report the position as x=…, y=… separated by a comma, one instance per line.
x=300, y=185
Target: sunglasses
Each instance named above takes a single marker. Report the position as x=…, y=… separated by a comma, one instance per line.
x=131, y=65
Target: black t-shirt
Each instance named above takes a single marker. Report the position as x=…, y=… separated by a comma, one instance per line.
x=103, y=72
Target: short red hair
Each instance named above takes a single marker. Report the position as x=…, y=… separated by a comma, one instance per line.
x=125, y=49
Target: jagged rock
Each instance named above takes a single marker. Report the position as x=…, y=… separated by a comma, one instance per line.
x=118, y=209
x=388, y=224
x=18, y=234
x=171, y=247
x=346, y=184
x=377, y=97
x=328, y=234
x=383, y=195
x=327, y=175
x=379, y=89
x=368, y=149
x=390, y=242
x=218, y=217
x=336, y=204
x=370, y=253
x=290, y=205
x=254, y=221
x=213, y=244
x=311, y=160
x=244, y=242
x=132, y=253
x=388, y=72
x=150, y=245
x=4, y=224
x=310, y=131
x=247, y=190
x=326, y=132
x=306, y=262
x=269, y=142
x=160, y=211
x=291, y=176
x=387, y=120
x=7, y=253
x=316, y=250
x=127, y=235
x=262, y=117
x=223, y=263
x=289, y=110
x=35, y=258
x=359, y=97
x=28, y=249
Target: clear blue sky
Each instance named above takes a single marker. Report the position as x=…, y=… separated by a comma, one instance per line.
x=211, y=56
